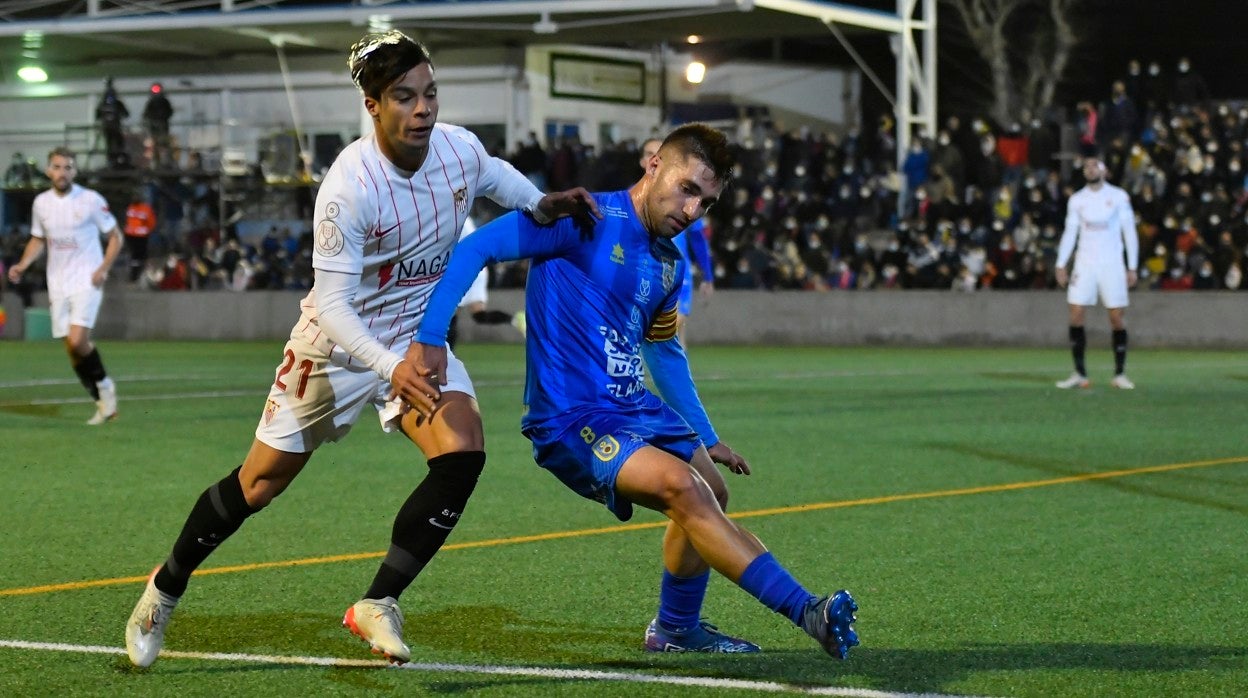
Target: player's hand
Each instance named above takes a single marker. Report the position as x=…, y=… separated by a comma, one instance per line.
x=15, y=273
x=429, y=361
x=1062, y=276
x=705, y=289
x=98, y=277
x=577, y=203
x=1132, y=277
x=725, y=456
x=417, y=392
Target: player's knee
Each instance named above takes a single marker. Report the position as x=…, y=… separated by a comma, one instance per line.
x=681, y=490
x=459, y=469
x=78, y=347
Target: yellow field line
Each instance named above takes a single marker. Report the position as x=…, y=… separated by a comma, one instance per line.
x=1005, y=487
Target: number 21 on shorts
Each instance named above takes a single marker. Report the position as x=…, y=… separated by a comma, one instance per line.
x=305, y=370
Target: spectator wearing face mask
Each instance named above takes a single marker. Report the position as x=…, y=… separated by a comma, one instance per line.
x=948, y=157
x=1155, y=91
x=1119, y=117
x=915, y=169
x=1190, y=89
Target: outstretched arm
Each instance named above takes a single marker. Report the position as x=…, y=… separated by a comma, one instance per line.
x=506, y=186
x=509, y=237
x=498, y=241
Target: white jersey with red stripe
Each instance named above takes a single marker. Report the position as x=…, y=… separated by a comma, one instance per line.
x=71, y=224
x=396, y=229
x=1102, y=225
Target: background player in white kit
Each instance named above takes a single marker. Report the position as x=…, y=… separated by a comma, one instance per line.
x=68, y=221
x=388, y=213
x=1100, y=227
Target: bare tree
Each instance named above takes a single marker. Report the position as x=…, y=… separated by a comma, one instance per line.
x=1027, y=45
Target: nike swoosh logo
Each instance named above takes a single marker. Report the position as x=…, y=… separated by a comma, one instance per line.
x=387, y=231
x=439, y=525
x=211, y=542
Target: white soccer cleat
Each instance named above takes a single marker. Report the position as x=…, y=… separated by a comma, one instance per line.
x=99, y=417
x=145, y=631
x=1076, y=380
x=1121, y=382
x=106, y=406
x=379, y=622
x=521, y=323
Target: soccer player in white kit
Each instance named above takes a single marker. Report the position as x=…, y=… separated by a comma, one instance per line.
x=388, y=213
x=1100, y=229
x=68, y=220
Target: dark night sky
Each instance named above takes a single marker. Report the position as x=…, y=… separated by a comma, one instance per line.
x=1212, y=33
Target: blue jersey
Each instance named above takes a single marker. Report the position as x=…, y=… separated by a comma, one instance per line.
x=594, y=301
x=692, y=240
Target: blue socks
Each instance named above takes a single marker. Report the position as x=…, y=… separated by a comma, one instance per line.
x=680, y=600
x=766, y=580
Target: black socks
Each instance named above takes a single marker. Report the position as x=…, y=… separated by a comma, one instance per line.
x=1078, y=343
x=1120, y=351
x=218, y=512
x=90, y=370
x=426, y=519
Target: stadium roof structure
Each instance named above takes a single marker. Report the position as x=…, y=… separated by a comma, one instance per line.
x=76, y=38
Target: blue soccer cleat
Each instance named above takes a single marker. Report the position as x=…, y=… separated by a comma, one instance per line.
x=830, y=621
x=702, y=637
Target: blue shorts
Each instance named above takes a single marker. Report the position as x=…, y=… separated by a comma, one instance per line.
x=586, y=449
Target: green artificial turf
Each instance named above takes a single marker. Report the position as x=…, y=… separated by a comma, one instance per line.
x=1002, y=537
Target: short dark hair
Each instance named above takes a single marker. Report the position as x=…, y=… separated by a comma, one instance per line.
x=704, y=143
x=378, y=59
x=61, y=151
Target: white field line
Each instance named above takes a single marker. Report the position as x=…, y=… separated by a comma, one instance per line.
x=34, y=382
x=802, y=375
x=494, y=670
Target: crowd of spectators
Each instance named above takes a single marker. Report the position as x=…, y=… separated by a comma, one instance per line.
x=978, y=206
x=983, y=206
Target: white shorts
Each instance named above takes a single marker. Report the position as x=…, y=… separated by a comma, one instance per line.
x=315, y=398
x=477, y=291
x=1107, y=282
x=75, y=309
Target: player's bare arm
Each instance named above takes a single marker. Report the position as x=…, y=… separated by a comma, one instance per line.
x=1061, y=276
x=725, y=456
x=34, y=248
x=100, y=275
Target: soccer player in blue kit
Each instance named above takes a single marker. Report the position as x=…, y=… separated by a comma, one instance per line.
x=598, y=302
x=690, y=241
